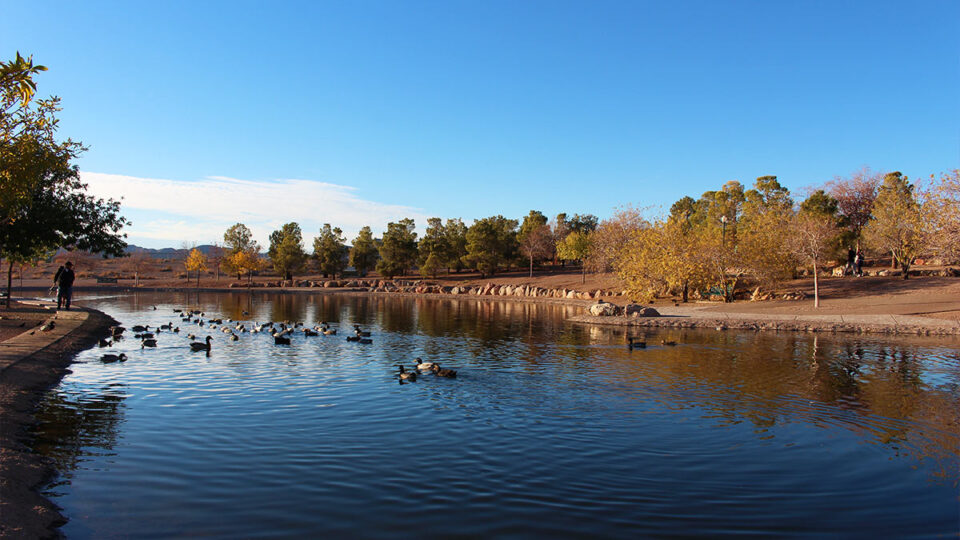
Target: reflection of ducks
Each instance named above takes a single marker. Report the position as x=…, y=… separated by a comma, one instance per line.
x=407, y=375
x=201, y=345
x=443, y=372
x=668, y=343
x=109, y=358
x=366, y=341
x=424, y=366
x=631, y=344
x=148, y=343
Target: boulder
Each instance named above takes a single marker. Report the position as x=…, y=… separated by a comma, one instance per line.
x=603, y=309
x=639, y=310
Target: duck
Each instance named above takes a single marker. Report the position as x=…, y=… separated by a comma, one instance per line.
x=201, y=345
x=424, y=366
x=167, y=326
x=353, y=338
x=407, y=375
x=668, y=343
x=234, y=337
x=191, y=336
x=110, y=358
x=281, y=340
x=148, y=343
x=176, y=330
x=117, y=330
x=330, y=332
x=309, y=332
x=363, y=334
x=631, y=344
x=443, y=372
x=140, y=328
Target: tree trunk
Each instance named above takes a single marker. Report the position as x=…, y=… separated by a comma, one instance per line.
x=531, y=266
x=583, y=273
x=905, y=268
x=198, y=278
x=816, y=286
x=9, y=282
x=893, y=260
x=686, y=291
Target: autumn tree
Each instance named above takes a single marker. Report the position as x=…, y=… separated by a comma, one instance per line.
x=398, y=252
x=491, y=241
x=196, y=262
x=364, y=253
x=286, y=250
x=610, y=238
x=767, y=211
x=247, y=261
x=330, y=251
x=813, y=233
x=236, y=240
x=535, y=238
x=943, y=199
x=664, y=256
x=855, y=196
x=899, y=224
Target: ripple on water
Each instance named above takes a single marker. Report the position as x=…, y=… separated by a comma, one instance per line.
x=550, y=429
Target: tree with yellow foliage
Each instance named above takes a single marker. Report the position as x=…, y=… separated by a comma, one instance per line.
x=943, y=199
x=900, y=222
x=196, y=262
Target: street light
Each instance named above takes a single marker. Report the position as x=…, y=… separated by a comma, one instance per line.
x=723, y=238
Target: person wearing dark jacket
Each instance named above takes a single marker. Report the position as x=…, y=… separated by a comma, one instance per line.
x=63, y=279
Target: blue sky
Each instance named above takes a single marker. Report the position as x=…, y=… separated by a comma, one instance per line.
x=202, y=114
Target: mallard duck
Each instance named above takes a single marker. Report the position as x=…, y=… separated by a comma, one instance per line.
x=443, y=372
x=110, y=358
x=424, y=366
x=407, y=375
x=201, y=345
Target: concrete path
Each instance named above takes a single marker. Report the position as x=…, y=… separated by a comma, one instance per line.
x=701, y=312
x=34, y=339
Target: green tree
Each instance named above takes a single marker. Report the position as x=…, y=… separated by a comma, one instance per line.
x=576, y=247
x=364, y=253
x=43, y=203
x=899, y=224
x=286, y=250
x=455, y=242
x=329, y=250
x=431, y=266
x=398, y=252
x=491, y=242
x=434, y=242
x=767, y=211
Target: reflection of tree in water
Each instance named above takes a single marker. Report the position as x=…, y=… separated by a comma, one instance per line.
x=71, y=426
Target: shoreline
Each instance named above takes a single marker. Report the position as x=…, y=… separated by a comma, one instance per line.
x=30, y=365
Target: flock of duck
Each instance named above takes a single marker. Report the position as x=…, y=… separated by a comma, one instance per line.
x=280, y=331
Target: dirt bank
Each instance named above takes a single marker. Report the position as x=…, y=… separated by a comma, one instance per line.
x=24, y=379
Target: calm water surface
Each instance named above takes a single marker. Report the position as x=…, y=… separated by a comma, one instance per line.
x=551, y=429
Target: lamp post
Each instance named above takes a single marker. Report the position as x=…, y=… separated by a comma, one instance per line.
x=723, y=237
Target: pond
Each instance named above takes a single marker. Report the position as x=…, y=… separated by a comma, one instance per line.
x=550, y=429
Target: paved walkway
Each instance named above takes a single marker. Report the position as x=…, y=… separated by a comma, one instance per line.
x=701, y=312
x=26, y=344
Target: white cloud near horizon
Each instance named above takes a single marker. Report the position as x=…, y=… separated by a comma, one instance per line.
x=179, y=211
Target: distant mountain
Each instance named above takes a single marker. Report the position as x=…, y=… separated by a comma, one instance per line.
x=167, y=253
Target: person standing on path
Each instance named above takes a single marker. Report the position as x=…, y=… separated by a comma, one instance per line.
x=63, y=279
x=851, y=254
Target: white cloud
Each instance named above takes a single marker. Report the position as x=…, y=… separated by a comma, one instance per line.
x=200, y=210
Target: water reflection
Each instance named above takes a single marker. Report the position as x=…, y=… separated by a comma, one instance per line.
x=548, y=426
